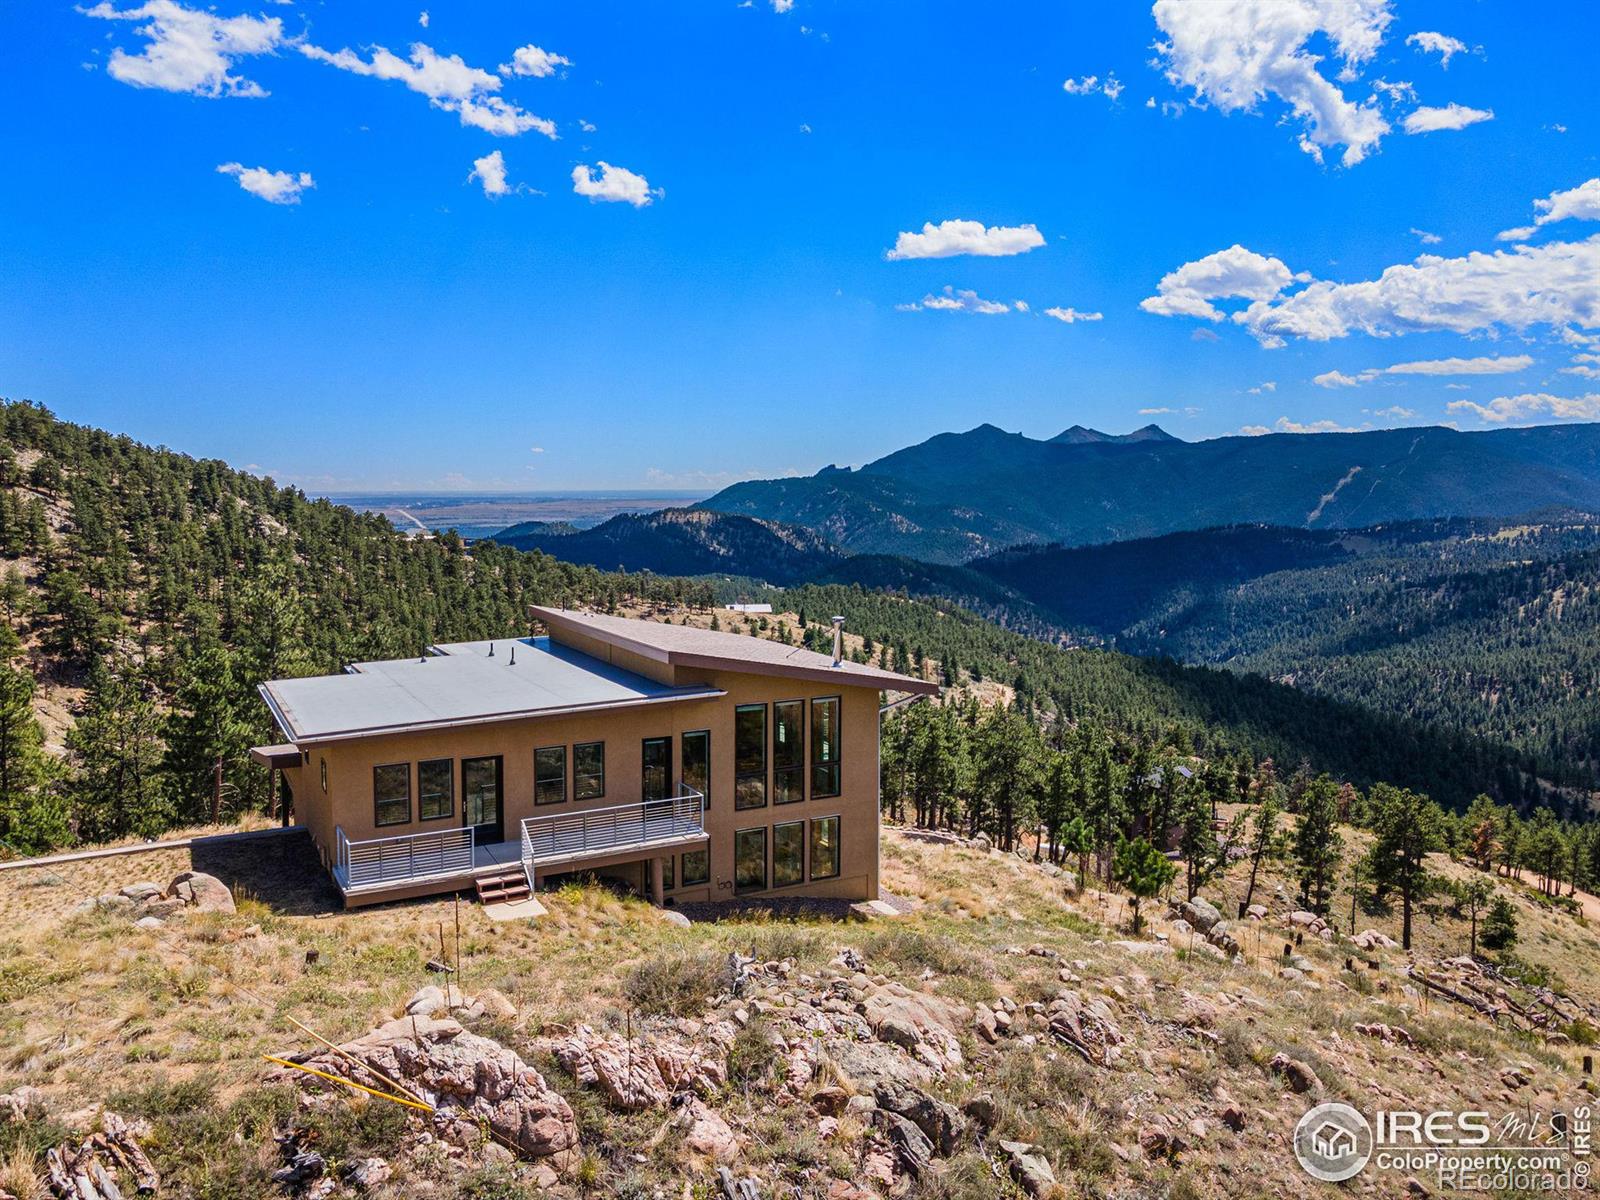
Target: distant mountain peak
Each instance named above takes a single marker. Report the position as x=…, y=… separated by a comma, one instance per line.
x=1079, y=435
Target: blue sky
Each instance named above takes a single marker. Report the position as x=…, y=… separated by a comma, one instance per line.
x=265, y=232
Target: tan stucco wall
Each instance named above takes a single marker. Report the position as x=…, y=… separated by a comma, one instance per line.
x=348, y=801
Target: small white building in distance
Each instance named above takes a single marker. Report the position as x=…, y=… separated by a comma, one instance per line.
x=750, y=608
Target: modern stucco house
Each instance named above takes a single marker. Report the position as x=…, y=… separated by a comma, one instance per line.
x=697, y=764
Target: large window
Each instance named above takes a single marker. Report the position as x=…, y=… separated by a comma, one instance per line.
x=788, y=853
x=550, y=775
x=695, y=762
x=657, y=782
x=788, y=751
x=436, y=789
x=825, y=747
x=825, y=848
x=589, y=771
x=391, y=794
x=750, y=859
x=696, y=867
x=750, y=756
x=668, y=882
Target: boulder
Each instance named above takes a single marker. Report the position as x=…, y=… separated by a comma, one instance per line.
x=472, y=1080
x=1256, y=912
x=205, y=893
x=705, y=1132
x=981, y=1110
x=1200, y=913
x=1233, y=1117
x=1298, y=1075
x=984, y=1024
x=1030, y=1168
x=911, y=1146
x=941, y=1122
x=673, y=917
x=830, y=1101
x=496, y=1003
x=140, y=892
x=149, y=923
x=920, y=1023
x=1372, y=939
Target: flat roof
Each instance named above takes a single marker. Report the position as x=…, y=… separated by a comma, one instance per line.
x=461, y=683
x=686, y=646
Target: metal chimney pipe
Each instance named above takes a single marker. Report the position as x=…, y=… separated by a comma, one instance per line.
x=838, y=640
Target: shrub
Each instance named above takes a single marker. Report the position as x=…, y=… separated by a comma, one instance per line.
x=678, y=984
x=752, y=1055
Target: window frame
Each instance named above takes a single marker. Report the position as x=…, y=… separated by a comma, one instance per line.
x=683, y=737
x=800, y=875
x=834, y=764
x=683, y=873
x=449, y=791
x=742, y=777
x=669, y=876
x=377, y=805
x=838, y=847
x=766, y=873
x=601, y=794
x=801, y=766
x=538, y=782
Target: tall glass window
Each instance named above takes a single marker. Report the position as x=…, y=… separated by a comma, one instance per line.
x=550, y=775
x=480, y=796
x=825, y=848
x=825, y=747
x=695, y=762
x=788, y=853
x=589, y=771
x=750, y=756
x=436, y=789
x=391, y=794
x=788, y=751
x=657, y=781
x=750, y=859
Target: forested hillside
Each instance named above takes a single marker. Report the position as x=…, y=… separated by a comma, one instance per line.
x=1486, y=626
x=957, y=496
x=147, y=593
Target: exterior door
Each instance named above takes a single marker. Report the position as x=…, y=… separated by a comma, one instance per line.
x=482, y=804
x=657, y=781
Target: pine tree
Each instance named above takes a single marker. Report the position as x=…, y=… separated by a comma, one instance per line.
x=1198, y=840
x=115, y=751
x=1263, y=841
x=1500, y=926
x=1407, y=829
x=205, y=726
x=32, y=818
x=1143, y=870
x=1317, y=844
x=1473, y=895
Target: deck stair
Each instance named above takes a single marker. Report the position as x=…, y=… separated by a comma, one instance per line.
x=499, y=887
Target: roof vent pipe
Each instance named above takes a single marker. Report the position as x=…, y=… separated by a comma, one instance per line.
x=491, y=649
x=513, y=654
x=838, y=640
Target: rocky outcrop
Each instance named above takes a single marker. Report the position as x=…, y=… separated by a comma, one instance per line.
x=201, y=892
x=643, y=1072
x=470, y=1081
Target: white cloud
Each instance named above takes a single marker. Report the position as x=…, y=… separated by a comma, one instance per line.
x=448, y=83
x=189, y=50
x=530, y=60
x=1399, y=92
x=1227, y=274
x=1557, y=284
x=1451, y=116
x=1426, y=238
x=1338, y=379
x=1520, y=234
x=1581, y=203
x=1235, y=53
x=1069, y=315
x=1285, y=425
x=613, y=183
x=1533, y=404
x=1395, y=413
x=951, y=300
x=422, y=18
x=1155, y=412
x=1445, y=46
x=1507, y=364
x=1262, y=389
x=1585, y=365
x=490, y=170
x=950, y=238
x=275, y=187
x=782, y=6
x=1088, y=85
